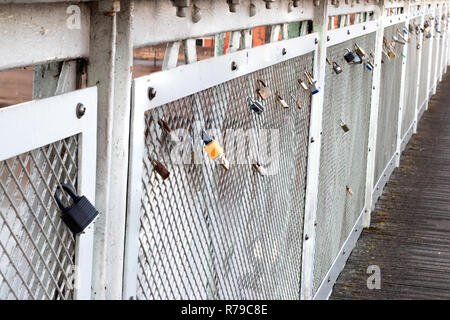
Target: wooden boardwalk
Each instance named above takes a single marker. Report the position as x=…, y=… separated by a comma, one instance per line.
x=409, y=237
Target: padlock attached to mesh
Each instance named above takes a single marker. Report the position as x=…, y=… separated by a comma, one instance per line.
x=263, y=91
x=349, y=56
x=337, y=68
x=80, y=214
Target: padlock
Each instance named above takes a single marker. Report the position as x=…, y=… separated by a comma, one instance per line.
x=255, y=105
x=80, y=214
x=349, y=56
x=337, y=68
x=360, y=51
x=313, y=87
x=358, y=59
x=259, y=168
x=282, y=102
x=171, y=136
x=369, y=65
x=349, y=191
x=344, y=126
x=160, y=169
x=397, y=40
x=391, y=54
x=214, y=150
x=263, y=91
x=303, y=84
x=299, y=106
x=403, y=37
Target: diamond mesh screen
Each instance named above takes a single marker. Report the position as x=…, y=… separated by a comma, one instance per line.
x=410, y=93
x=391, y=71
x=423, y=90
x=36, y=249
x=434, y=61
x=210, y=234
x=343, y=157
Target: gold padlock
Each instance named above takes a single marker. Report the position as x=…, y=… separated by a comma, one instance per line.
x=263, y=91
x=344, y=126
x=303, y=84
x=391, y=54
x=360, y=51
x=349, y=191
x=282, y=102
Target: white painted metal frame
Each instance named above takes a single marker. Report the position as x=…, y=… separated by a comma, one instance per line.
x=326, y=287
x=172, y=85
x=38, y=123
x=337, y=36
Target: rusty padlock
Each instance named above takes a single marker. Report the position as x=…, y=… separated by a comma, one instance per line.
x=263, y=91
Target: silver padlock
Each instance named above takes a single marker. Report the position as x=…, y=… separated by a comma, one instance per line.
x=171, y=136
x=313, y=87
x=255, y=106
x=259, y=168
x=337, y=68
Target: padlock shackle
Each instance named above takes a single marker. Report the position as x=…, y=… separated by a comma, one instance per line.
x=261, y=82
x=69, y=191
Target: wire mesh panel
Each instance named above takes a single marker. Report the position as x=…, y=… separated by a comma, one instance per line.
x=36, y=249
x=343, y=156
x=423, y=90
x=391, y=70
x=207, y=233
x=412, y=72
x=434, y=61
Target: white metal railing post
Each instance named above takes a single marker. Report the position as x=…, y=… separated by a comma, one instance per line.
x=430, y=10
x=401, y=104
x=374, y=103
x=435, y=56
x=320, y=25
x=110, y=67
x=418, y=103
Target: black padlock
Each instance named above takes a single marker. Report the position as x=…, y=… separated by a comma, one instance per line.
x=349, y=56
x=80, y=214
x=256, y=106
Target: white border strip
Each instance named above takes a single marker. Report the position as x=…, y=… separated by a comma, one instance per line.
x=37, y=123
x=185, y=80
x=340, y=35
x=326, y=287
x=383, y=179
x=407, y=136
x=392, y=20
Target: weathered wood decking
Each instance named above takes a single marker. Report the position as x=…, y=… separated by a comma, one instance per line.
x=409, y=237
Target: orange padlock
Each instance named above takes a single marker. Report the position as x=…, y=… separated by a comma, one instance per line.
x=214, y=149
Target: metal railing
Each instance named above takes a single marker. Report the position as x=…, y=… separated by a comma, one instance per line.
x=198, y=231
